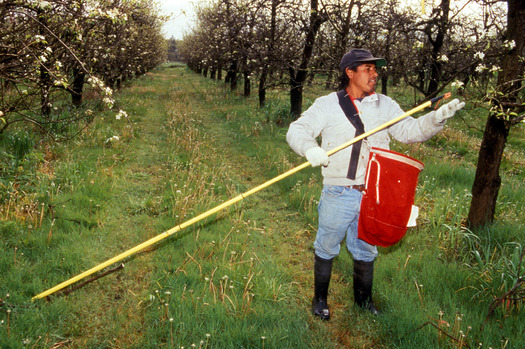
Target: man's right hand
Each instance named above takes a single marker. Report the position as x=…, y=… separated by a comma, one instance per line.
x=317, y=156
x=448, y=110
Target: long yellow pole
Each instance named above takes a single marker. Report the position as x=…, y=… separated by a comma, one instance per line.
x=224, y=205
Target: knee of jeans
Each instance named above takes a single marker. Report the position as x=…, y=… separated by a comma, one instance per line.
x=362, y=251
x=326, y=252
x=365, y=256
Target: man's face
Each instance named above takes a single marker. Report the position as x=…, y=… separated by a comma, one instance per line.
x=363, y=81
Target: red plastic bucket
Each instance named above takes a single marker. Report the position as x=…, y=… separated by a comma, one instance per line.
x=391, y=181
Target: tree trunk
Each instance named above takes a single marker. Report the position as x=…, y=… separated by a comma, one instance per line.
x=441, y=21
x=269, y=54
x=247, y=84
x=341, y=41
x=262, y=87
x=296, y=94
x=298, y=78
x=45, y=79
x=78, y=86
x=231, y=75
x=487, y=181
x=384, y=84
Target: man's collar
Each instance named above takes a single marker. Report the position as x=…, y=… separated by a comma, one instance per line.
x=369, y=97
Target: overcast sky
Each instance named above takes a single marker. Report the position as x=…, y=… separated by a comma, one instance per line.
x=181, y=13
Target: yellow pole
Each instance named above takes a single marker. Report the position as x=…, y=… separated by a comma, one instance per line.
x=224, y=205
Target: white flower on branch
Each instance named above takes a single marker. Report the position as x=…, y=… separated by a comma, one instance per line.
x=479, y=55
x=121, y=113
x=480, y=68
x=509, y=44
x=43, y=4
x=109, y=102
x=443, y=58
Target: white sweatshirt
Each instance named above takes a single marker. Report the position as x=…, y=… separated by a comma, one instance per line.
x=325, y=118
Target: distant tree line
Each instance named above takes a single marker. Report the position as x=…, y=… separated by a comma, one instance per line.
x=173, y=51
x=53, y=48
x=288, y=42
x=430, y=46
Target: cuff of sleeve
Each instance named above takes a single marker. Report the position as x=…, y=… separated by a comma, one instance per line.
x=307, y=146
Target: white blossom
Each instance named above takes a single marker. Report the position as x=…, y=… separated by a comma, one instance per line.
x=121, y=113
x=509, y=44
x=443, y=58
x=108, y=101
x=43, y=4
x=479, y=55
x=480, y=68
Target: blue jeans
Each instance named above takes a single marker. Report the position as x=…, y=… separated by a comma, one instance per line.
x=338, y=215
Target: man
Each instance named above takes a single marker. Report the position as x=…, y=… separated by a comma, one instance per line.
x=344, y=173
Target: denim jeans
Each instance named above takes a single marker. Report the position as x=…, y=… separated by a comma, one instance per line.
x=338, y=215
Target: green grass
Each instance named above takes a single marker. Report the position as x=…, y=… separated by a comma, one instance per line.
x=241, y=278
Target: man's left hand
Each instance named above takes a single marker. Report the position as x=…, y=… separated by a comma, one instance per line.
x=448, y=110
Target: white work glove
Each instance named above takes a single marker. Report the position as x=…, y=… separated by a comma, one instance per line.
x=448, y=110
x=317, y=156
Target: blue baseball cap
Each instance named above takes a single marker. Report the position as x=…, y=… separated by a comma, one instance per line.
x=360, y=55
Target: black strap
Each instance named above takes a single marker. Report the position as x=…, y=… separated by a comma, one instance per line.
x=353, y=116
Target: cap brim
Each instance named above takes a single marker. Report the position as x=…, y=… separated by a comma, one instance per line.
x=380, y=62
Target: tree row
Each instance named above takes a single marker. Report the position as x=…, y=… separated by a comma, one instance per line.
x=52, y=49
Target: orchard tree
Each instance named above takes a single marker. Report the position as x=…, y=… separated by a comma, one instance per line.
x=48, y=49
x=298, y=73
x=507, y=109
x=268, y=57
x=340, y=23
x=31, y=69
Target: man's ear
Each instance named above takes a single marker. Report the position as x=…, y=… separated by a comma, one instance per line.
x=349, y=73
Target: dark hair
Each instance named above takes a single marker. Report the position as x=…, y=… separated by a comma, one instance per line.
x=344, y=80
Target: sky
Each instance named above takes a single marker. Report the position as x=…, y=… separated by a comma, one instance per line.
x=181, y=15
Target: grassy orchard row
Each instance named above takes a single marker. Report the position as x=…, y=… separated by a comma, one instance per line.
x=241, y=278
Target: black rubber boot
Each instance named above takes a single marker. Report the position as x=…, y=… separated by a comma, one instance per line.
x=322, y=273
x=363, y=278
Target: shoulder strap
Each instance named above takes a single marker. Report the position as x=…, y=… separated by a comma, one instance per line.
x=352, y=115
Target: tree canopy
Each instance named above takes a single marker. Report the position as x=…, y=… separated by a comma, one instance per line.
x=53, y=47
